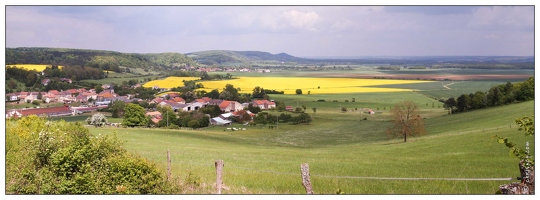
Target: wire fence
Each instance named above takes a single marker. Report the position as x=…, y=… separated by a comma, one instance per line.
x=357, y=177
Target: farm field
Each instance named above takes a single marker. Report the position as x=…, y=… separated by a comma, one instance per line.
x=347, y=154
x=290, y=84
x=120, y=77
x=38, y=68
x=170, y=82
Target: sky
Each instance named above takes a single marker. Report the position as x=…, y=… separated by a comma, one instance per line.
x=302, y=31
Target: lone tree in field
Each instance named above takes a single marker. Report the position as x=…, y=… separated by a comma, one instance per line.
x=407, y=121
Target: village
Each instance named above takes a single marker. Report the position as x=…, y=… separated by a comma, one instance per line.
x=90, y=101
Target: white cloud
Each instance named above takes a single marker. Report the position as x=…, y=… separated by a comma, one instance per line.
x=303, y=20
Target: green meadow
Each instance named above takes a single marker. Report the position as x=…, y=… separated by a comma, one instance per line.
x=344, y=151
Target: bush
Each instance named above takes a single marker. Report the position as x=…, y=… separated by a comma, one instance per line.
x=65, y=158
x=321, y=100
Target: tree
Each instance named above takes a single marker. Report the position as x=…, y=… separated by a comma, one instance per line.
x=117, y=108
x=450, y=104
x=298, y=91
x=214, y=94
x=407, y=121
x=212, y=110
x=229, y=93
x=134, y=116
x=314, y=110
x=97, y=120
x=12, y=84
x=258, y=93
x=253, y=109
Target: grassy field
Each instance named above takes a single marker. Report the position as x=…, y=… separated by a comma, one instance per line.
x=119, y=79
x=343, y=151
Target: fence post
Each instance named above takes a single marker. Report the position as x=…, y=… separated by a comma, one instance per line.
x=305, y=178
x=168, y=165
x=219, y=168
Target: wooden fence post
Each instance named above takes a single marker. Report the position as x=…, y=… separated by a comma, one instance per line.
x=219, y=169
x=305, y=178
x=168, y=165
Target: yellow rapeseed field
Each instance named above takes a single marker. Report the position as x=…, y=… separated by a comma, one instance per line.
x=327, y=85
x=38, y=68
x=170, y=82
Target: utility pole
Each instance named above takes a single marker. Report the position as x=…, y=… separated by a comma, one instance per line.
x=277, y=122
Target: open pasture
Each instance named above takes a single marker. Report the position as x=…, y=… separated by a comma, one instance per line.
x=38, y=68
x=457, y=156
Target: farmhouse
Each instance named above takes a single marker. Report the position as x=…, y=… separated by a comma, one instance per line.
x=289, y=108
x=230, y=106
x=264, y=104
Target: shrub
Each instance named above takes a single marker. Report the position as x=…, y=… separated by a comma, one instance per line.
x=65, y=158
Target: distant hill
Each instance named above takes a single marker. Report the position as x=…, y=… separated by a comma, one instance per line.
x=225, y=57
x=106, y=60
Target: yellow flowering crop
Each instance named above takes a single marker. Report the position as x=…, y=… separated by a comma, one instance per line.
x=170, y=82
x=313, y=85
x=38, y=68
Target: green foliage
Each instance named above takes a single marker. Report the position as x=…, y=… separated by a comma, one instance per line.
x=298, y=91
x=254, y=109
x=212, y=110
x=134, y=116
x=117, y=108
x=36, y=102
x=64, y=158
x=525, y=124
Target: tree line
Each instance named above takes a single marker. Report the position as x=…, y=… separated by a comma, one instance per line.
x=496, y=96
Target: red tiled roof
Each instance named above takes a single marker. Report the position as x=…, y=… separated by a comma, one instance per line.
x=55, y=92
x=106, y=95
x=47, y=111
x=224, y=104
x=179, y=99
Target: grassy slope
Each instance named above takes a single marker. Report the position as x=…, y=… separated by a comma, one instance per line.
x=267, y=161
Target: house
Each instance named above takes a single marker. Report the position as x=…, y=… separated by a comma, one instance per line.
x=156, y=100
x=371, y=112
x=48, y=98
x=175, y=106
x=193, y=106
x=289, y=108
x=264, y=104
x=179, y=100
x=230, y=106
x=46, y=81
x=155, y=115
x=12, y=97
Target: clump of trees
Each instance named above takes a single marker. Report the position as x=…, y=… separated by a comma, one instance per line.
x=496, y=96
